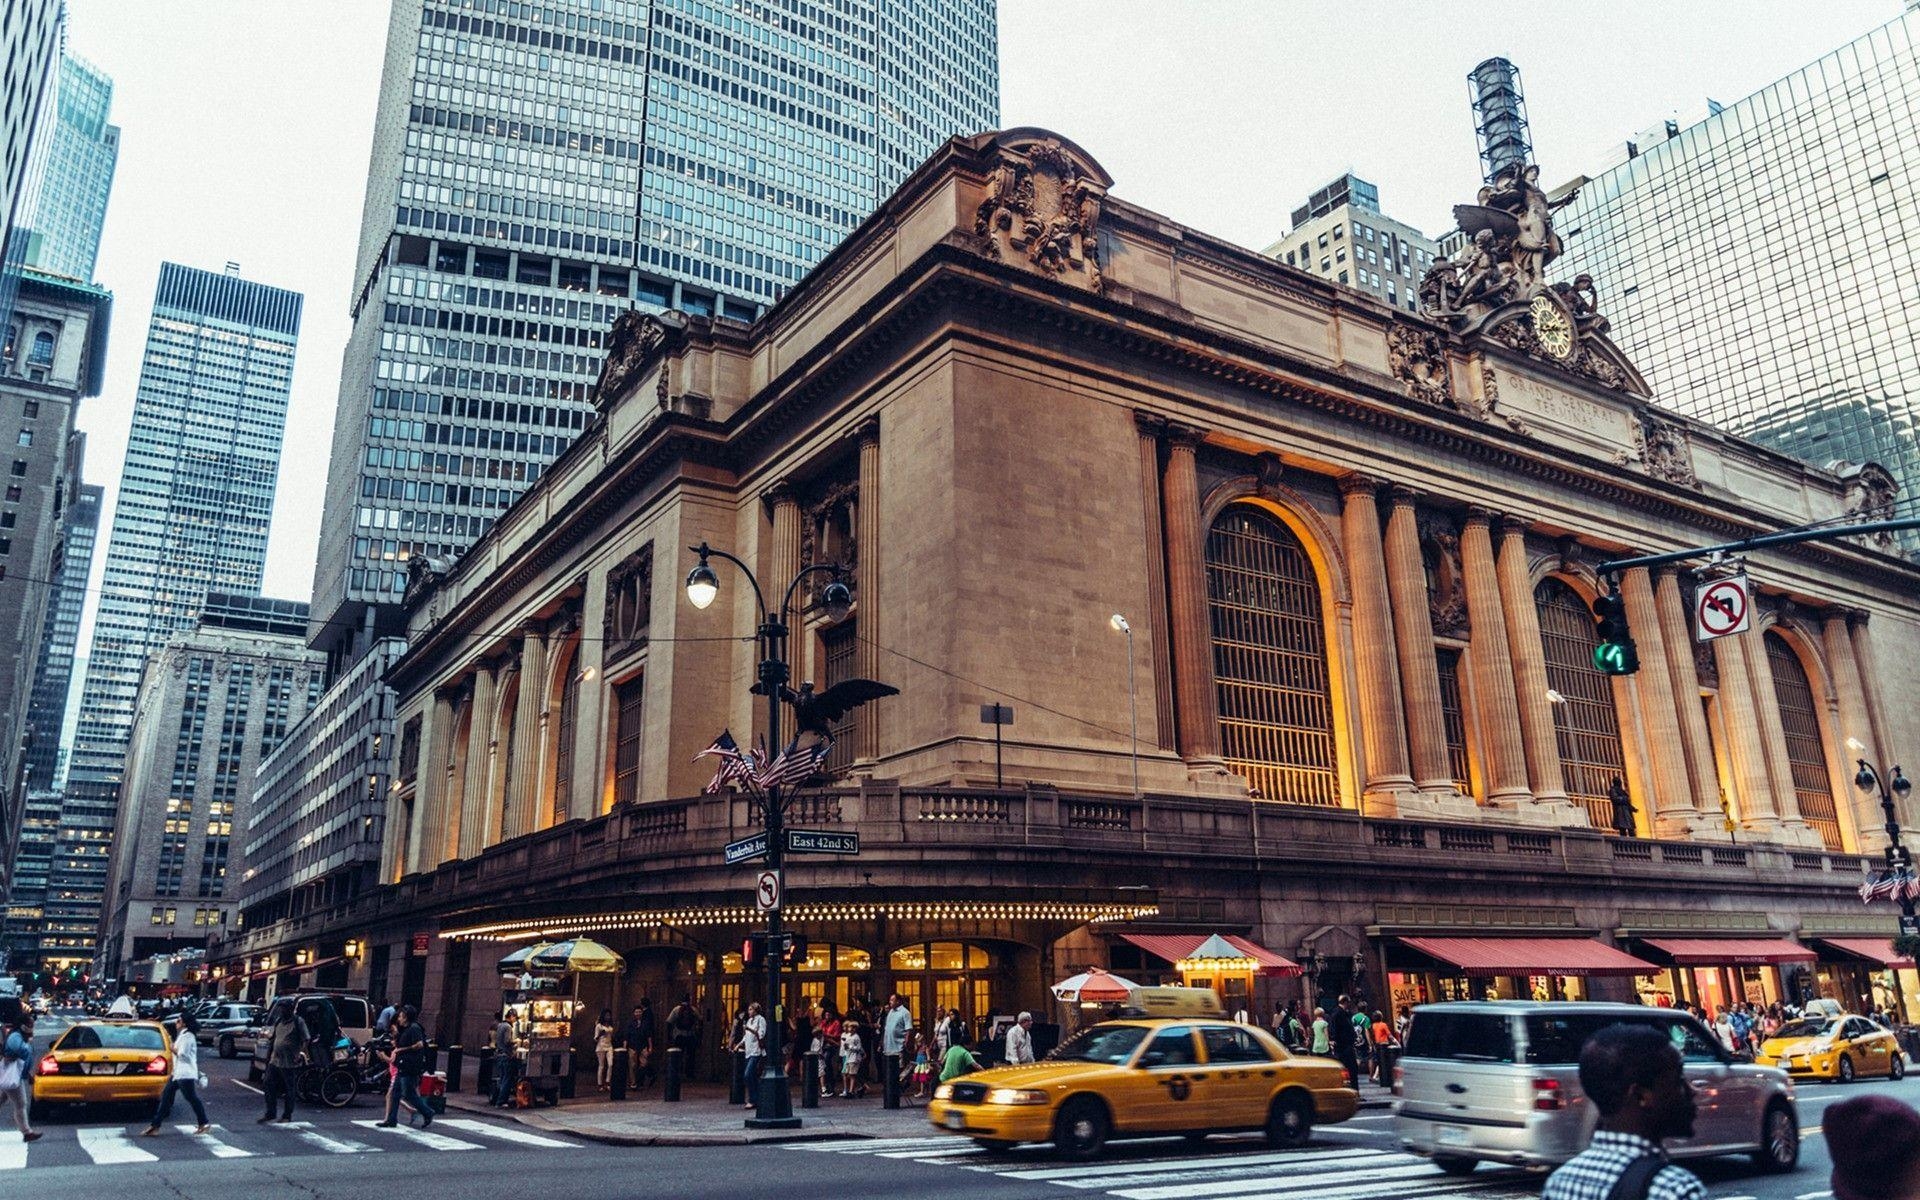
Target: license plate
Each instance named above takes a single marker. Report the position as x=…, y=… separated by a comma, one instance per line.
x=956, y=1120
x=103, y=1068
x=1452, y=1135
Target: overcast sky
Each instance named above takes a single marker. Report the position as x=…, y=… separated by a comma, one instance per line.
x=246, y=127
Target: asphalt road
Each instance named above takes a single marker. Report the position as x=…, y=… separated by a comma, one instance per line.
x=329, y=1155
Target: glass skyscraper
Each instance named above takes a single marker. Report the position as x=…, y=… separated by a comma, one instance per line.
x=30, y=38
x=538, y=168
x=82, y=151
x=1760, y=266
x=196, y=497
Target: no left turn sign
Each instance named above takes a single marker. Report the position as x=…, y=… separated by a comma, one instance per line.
x=766, y=891
x=1722, y=607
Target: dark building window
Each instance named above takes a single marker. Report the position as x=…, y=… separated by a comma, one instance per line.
x=1585, y=722
x=1453, y=716
x=626, y=746
x=836, y=647
x=1805, y=753
x=42, y=353
x=564, y=739
x=1270, y=660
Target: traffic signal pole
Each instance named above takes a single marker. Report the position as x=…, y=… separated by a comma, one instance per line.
x=1783, y=538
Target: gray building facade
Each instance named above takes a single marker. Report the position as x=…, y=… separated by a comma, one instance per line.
x=1760, y=264
x=30, y=32
x=1341, y=234
x=196, y=498
x=213, y=703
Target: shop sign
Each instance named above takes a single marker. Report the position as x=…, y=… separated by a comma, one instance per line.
x=822, y=841
x=422, y=944
x=746, y=848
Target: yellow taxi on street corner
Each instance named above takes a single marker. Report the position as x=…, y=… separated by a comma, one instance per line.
x=104, y=1062
x=1140, y=1076
x=1838, y=1046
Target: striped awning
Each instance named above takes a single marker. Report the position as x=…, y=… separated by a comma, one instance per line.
x=1874, y=950
x=1529, y=956
x=1176, y=946
x=1731, y=952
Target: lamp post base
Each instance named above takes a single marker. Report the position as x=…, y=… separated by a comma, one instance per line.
x=773, y=1122
x=773, y=1108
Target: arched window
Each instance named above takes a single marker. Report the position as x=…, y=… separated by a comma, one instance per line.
x=1585, y=721
x=42, y=353
x=1270, y=659
x=1798, y=714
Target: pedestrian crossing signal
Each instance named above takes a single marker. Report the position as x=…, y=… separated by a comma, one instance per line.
x=1616, y=654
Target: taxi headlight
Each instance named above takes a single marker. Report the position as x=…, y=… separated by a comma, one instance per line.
x=943, y=1092
x=1016, y=1096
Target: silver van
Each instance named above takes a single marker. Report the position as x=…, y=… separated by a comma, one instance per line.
x=1500, y=1080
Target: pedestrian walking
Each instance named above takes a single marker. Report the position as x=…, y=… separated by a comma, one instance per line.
x=641, y=1037
x=603, y=1048
x=1322, y=1033
x=1383, y=1050
x=1633, y=1076
x=383, y=1024
x=504, y=1062
x=683, y=1033
x=922, y=1069
x=752, y=1047
x=16, y=1058
x=409, y=1063
x=286, y=1051
x=958, y=1059
x=1874, y=1142
x=831, y=1027
x=853, y=1057
x=185, y=1078
x=893, y=1032
x=1020, y=1041
x=1340, y=1037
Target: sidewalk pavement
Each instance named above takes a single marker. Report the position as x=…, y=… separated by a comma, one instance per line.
x=704, y=1118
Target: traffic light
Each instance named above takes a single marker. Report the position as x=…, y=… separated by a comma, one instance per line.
x=793, y=949
x=1615, y=655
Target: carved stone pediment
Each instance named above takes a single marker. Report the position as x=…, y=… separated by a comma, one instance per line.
x=632, y=341
x=1041, y=210
x=1666, y=452
x=1870, y=495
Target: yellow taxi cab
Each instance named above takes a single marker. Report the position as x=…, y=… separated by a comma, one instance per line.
x=104, y=1062
x=1833, y=1046
x=1139, y=1076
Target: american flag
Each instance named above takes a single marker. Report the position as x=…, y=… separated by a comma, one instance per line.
x=794, y=765
x=1885, y=886
x=736, y=765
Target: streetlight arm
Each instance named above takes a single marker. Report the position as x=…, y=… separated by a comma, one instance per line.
x=705, y=552
x=786, y=605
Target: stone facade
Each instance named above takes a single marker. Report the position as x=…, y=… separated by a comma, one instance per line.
x=1348, y=539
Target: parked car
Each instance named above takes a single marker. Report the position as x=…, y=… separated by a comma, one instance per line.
x=1500, y=1081
x=330, y=1016
x=1833, y=1047
x=228, y=1027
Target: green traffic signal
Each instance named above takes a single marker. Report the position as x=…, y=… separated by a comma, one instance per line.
x=1616, y=654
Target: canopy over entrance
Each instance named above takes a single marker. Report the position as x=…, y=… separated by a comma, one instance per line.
x=1202, y=952
x=1529, y=956
x=1731, y=952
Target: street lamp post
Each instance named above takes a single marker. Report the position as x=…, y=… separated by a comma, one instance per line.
x=1899, y=859
x=773, y=1095
x=1133, y=708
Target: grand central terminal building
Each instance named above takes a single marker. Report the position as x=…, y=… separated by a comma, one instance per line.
x=1349, y=719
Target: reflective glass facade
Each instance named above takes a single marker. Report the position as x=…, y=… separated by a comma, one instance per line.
x=1759, y=266
x=537, y=168
x=196, y=497
x=30, y=33
x=81, y=154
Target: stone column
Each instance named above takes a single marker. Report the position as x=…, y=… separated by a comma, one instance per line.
x=479, y=766
x=783, y=563
x=1196, y=706
x=1494, y=699
x=1856, y=725
x=1159, y=672
x=1674, y=812
x=1758, y=806
x=529, y=742
x=1685, y=678
x=1869, y=672
x=866, y=648
x=1773, y=741
x=1413, y=640
x=432, y=790
x=1537, y=733
x=1383, y=727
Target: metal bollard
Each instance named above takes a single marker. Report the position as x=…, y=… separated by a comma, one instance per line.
x=617, y=1086
x=456, y=1060
x=676, y=1065
x=890, y=1083
x=737, y=1079
x=484, y=1084
x=810, y=1080
x=567, y=1080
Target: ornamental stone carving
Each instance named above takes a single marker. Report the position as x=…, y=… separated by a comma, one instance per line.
x=1418, y=358
x=629, y=605
x=1446, y=588
x=1042, y=210
x=1870, y=494
x=631, y=341
x=1666, y=452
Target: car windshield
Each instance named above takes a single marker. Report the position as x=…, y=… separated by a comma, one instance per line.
x=1111, y=1044
x=112, y=1037
x=1813, y=1027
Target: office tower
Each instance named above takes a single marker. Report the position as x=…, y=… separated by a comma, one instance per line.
x=52, y=355
x=196, y=496
x=81, y=153
x=30, y=36
x=1341, y=234
x=1757, y=264
x=214, y=702
x=675, y=154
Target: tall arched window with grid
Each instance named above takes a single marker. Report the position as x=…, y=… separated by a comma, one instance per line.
x=1793, y=691
x=1270, y=659
x=1585, y=722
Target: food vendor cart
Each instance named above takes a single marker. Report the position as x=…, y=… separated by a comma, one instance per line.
x=541, y=986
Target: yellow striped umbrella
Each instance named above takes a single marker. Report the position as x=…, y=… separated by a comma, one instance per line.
x=577, y=954
x=518, y=961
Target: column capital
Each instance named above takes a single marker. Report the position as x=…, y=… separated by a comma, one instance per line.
x=1841, y=615
x=782, y=490
x=867, y=430
x=1150, y=424
x=1184, y=437
x=1513, y=526
x=1355, y=483
x=1402, y=495
x=1480, y=514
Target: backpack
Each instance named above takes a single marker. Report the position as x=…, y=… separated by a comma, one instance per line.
x=1637, y=1179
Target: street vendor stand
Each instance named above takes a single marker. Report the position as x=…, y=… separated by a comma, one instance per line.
x=541, y=987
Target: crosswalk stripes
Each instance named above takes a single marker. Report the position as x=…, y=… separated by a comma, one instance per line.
x=1335, y=1172
x=119, y=1145
x=13, y=1155
x=305, y=1131
x=215, y=1146
x=425, y=1137
x=505, y=1133
x=110, y=1146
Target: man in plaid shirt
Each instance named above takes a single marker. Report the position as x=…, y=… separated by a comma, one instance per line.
x=1633, y=1076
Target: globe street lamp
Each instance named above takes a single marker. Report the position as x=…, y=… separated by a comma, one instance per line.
x=1119, y=623
x=1899, y=860
x=773, y=1091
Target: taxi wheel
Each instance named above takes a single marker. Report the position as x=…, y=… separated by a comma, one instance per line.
x=1453, y=1164
x=1081, y=1129
x=996, y=1145
x=1897, y=1067
x=1289, y=1121
x=1779, y=1140
x=226, y=1047
x=1845, y=1070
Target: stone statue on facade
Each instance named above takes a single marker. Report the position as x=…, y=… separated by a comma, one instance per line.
x=633, y=336
x=1623, y=808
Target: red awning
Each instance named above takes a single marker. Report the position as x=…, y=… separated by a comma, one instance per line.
x=1530, y=956
x=1175, y=946
x=1731, y=952
x=1874, y=950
